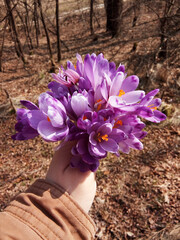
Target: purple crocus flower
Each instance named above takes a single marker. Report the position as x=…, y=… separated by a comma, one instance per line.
x=148, y=108
x=103, y=138
x=82, y=159
x=67, y=77
x=95, y=104
x=50, y=120
x=79, y=103
x=122, y=93
x=57, y=90
x=23, y=128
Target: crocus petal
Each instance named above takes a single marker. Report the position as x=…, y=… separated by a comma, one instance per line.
x=104, y=90
x=133, y=142
x=140, y=134
x=81, y=146
x=98, y=58
x=110, y=145
x=121, y=68
x=157, y=117
x=117, y=134
x=84, y=83
x=155, y=103
x=79, y=104
x=70, y=65
x=25, y=136
x=88, y=158
x=21, y=113
x=149, y=97
x=29, y=105
x=144, y=112
x=128, y=108
x=101, y=68
x=49, y=133
x=35, y=117
x=116, y=101
x=97, y=94
x=77, y=162
x=92, y=138
x=127, y=129
x=93, y=167
x=73, y=75
x=139, y=127
x=56, y=117
x=130, y=83
x=133, y=97
x=124, y=147
x=112, y=68
x=97, y=150
x=79, y=65
x=116, y=84
x=88, y=69
x=60, y=80
x=105, y=128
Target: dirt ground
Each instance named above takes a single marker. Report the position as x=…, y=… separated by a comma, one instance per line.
x=138, y=194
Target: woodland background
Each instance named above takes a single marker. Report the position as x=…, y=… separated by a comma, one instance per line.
x=138, y=194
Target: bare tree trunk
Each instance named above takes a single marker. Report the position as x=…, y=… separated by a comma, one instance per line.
x=2, y=46
x=14, y=31
x=91, y=16
x=27, y=25
x=164, y=29
x=47, y=35
x=36, y=22
x=57, y=32
x=113, y=13
x=24, y=26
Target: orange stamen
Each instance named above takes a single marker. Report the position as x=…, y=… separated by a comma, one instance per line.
x=48, y=119
x=103, y=137
x=121, y=92
x=99, y=107
x=119, y=122
x=151, y=107
x=84, y=117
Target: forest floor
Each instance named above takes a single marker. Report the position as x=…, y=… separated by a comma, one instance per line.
x=138, y=194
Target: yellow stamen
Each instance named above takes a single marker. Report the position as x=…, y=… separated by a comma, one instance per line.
x=151, y=107
x=105, y=137
x=48, y=119
x=102, y=137
x=121, y=92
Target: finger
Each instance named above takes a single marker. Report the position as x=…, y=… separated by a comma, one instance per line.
x=62, y=155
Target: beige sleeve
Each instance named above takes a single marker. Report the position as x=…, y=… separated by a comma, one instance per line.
x=45, y=211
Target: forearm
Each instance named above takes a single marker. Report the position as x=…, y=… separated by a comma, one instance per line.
x=45, y=211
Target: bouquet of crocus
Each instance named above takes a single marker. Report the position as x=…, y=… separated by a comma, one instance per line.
x=95, y=104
